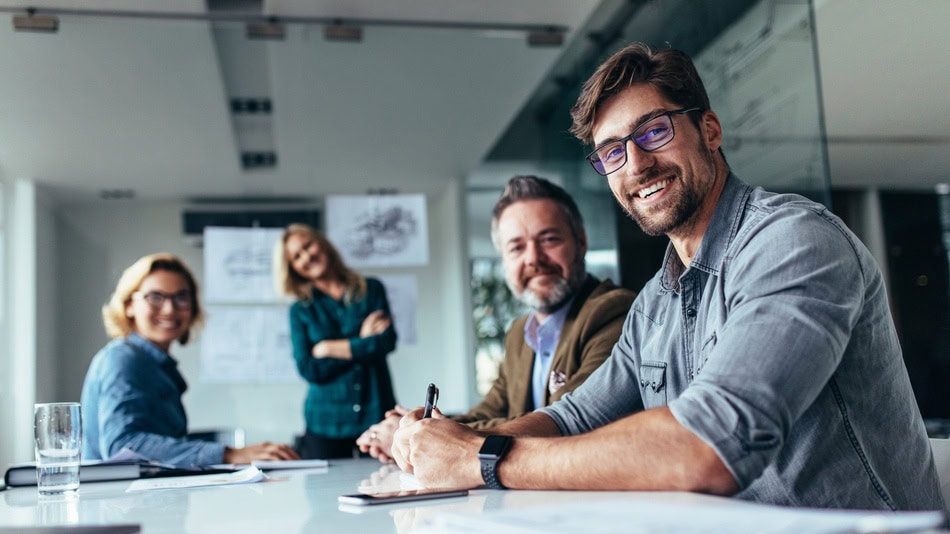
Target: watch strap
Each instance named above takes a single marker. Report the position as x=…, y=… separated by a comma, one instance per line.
x=490, y=474
x=493, y=450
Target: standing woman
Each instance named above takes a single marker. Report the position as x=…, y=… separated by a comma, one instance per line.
x=131, y=397
x=341, y=333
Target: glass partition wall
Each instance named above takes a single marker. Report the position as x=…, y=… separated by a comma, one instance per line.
x=758, y=62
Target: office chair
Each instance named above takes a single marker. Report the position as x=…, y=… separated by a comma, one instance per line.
x=941, y=450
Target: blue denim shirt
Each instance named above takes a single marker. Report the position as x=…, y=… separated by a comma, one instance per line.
x=132, y=398
x=777, y=348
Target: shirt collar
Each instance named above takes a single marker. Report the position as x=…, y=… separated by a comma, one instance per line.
x=162, y=358
x=151, y=349
x=719, y=234
x=534, y=330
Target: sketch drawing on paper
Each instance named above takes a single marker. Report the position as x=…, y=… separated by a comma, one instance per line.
x=248, y=261
x=381, y=232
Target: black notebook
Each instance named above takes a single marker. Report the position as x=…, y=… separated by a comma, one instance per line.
x=89, y=471
x=109, y=470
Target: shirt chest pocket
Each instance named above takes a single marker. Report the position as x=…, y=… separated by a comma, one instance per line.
x=653, y=383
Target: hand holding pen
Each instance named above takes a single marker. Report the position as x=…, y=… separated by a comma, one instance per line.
x=432, y=399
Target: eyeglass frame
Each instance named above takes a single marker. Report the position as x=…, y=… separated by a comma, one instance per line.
x=184, y=293
x=593, y=158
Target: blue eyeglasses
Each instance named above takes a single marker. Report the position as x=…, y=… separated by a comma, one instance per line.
x=649, y=136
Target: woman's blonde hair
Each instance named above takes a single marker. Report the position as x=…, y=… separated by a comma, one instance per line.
x=288, y=282
x=118, y=324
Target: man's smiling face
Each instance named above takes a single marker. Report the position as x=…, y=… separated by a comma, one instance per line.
x=662, y=190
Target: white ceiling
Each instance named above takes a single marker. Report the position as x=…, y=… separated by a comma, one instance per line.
x=132, y=103
x=885, y=71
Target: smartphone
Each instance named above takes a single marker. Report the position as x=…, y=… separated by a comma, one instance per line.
x=400, y=496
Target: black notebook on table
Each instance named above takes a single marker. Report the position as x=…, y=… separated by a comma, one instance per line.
x=96, y=471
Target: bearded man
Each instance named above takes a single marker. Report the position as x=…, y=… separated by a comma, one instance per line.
x=575, y=320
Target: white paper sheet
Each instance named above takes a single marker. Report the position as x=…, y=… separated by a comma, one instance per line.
x=379, y=230
x=650, y=516
x=402, y=291
x=247, y=475
x=247, y=344
x=277, y=465
x=238, y=265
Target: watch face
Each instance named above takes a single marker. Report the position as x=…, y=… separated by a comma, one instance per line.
x=495, y=446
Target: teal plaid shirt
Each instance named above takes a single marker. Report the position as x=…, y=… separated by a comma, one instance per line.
x=345, y=396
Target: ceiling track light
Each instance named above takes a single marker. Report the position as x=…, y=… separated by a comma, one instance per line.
x=343, y=32
x=550, y=38
x=271, y=30
x=274, y=28
x=31, y=22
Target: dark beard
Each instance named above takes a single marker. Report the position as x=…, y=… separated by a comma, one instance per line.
x=684, y=207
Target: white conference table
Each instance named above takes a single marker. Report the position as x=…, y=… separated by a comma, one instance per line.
x=306, y=501
x=293, y=501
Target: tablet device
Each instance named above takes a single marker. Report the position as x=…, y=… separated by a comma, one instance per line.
x=362, y=499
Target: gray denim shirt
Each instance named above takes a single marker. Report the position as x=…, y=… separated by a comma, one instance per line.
x=777, y=348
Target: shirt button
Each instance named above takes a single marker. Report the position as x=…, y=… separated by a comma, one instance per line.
x=690, y=312
x=357, y=408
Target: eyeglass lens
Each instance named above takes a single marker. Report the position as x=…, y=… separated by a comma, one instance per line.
x=180, y=300
x=649, y=136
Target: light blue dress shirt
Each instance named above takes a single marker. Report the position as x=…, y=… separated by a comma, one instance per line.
x=542, y=337
x=776, y=347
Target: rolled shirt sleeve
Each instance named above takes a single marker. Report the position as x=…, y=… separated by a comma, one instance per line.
x=791, y=300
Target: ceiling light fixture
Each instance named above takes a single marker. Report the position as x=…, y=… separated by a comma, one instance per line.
x=343, y=32
x=546, y=38
x=31, y=22
x=271, y=30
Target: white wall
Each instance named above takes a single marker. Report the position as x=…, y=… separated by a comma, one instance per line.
x=94, y=242
x=19, y=342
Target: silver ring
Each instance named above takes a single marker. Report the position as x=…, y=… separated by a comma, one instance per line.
x=373, y=435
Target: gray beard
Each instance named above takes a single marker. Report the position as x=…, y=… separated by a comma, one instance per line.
x=562, y=291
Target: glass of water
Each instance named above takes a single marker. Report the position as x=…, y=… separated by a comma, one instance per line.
x=57, y=433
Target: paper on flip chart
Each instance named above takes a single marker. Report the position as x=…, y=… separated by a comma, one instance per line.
x=640, y=513
x=247, y=475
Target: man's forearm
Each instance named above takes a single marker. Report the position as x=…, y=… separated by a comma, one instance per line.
x=534, y=424
x=646, y=451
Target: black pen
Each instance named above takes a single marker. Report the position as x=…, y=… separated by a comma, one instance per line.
x=432, y=398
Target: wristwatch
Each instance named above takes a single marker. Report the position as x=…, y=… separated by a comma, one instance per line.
x=492, y=451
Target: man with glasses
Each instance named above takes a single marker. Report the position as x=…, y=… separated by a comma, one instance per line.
x=575, y=318
x=761, y=361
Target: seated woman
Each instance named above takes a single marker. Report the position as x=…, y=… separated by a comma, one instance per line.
x=131, y=397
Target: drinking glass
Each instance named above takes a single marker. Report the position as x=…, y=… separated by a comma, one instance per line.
x=57, y=433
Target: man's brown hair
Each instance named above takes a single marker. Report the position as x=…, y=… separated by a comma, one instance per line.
x=671, y=71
